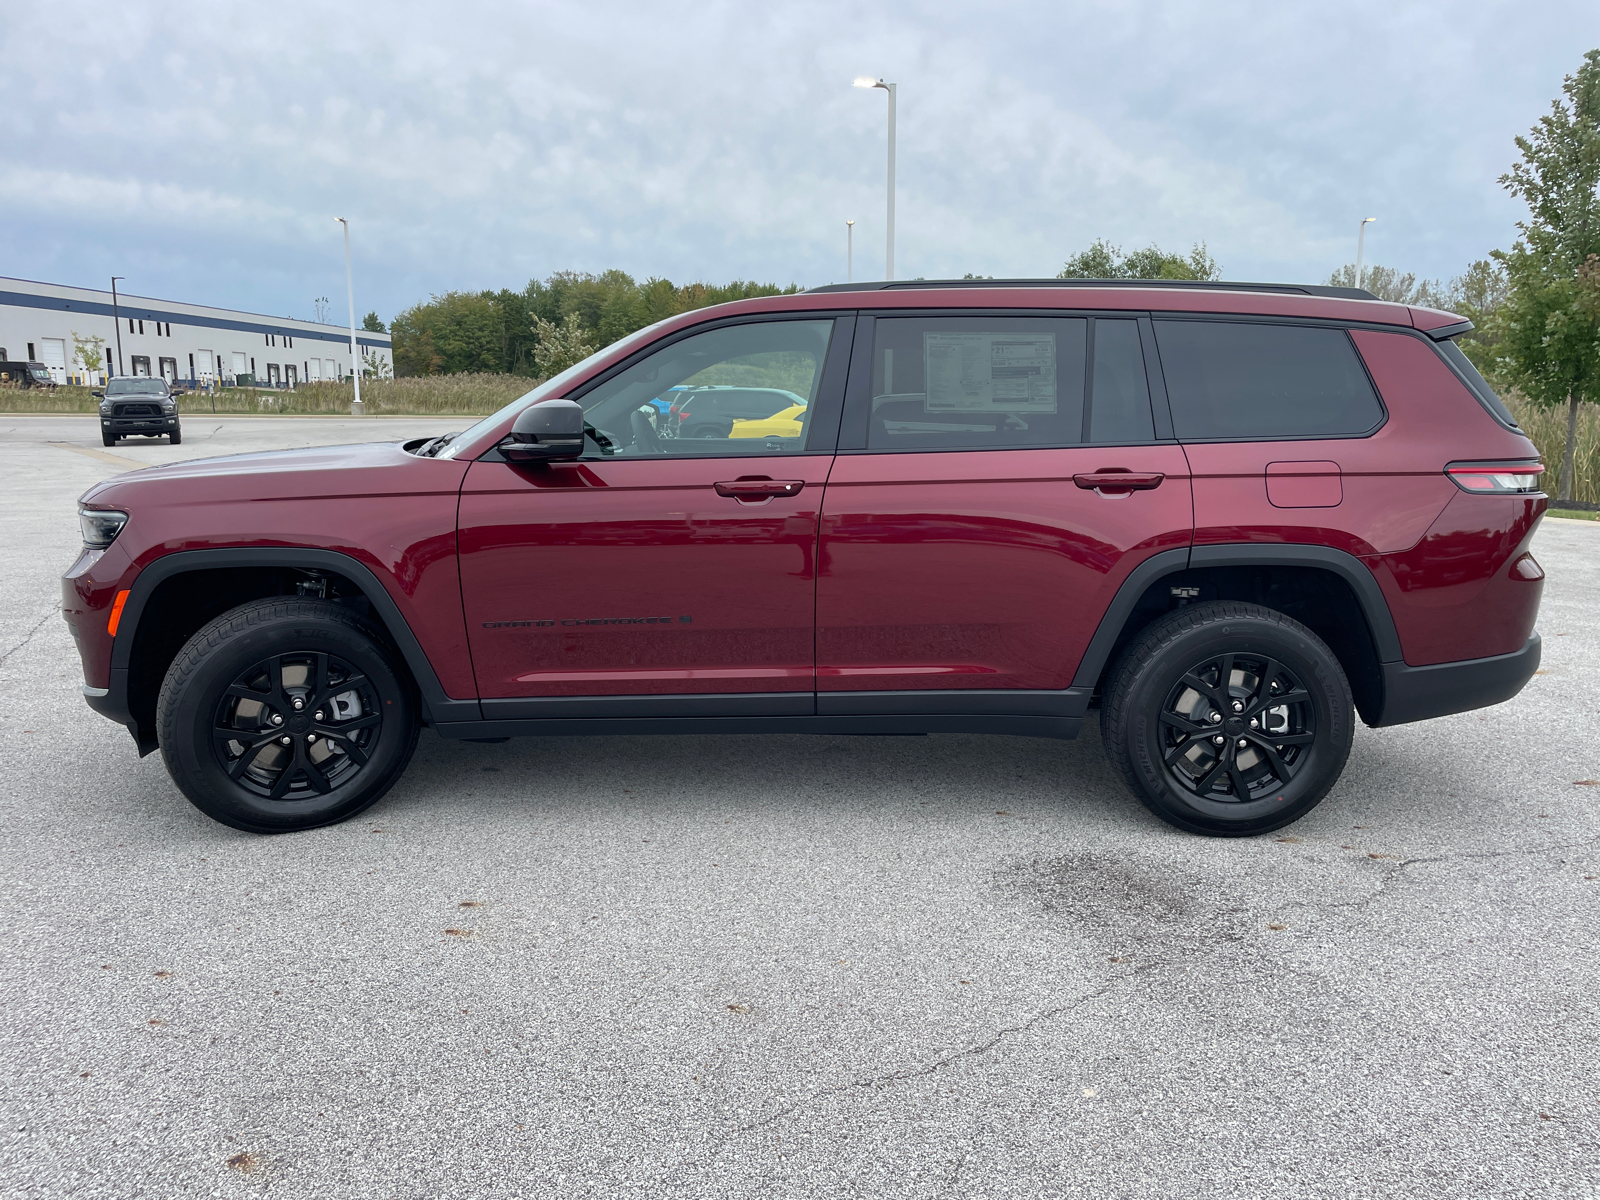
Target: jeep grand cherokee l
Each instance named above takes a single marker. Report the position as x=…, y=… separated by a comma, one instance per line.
x=1229, y=518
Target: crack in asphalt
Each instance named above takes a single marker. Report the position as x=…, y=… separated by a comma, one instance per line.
x=1395, y=872
x=4, y=658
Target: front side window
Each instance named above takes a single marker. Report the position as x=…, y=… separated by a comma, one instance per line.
x=1231, y=380
x=972, y=383
x=735, y=391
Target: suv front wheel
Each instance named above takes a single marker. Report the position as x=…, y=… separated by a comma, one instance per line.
x=1228, y=719
x=285, y=714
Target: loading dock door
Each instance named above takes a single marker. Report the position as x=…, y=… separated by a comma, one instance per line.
x=53, y=354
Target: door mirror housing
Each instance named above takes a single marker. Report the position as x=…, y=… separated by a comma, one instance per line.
x=102, y=395
x=546, y=432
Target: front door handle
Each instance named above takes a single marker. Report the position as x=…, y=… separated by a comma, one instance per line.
x=759, y=489
x=1116, y=482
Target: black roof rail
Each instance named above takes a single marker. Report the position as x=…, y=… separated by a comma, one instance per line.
x=1204, y=285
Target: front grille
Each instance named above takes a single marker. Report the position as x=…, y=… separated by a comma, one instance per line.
x=136, y=410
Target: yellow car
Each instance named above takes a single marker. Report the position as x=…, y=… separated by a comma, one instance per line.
x=782, y=424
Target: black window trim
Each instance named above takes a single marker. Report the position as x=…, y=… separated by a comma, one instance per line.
x=823, y=432
x=858, y=395
x=1483, y=401
x=1313, y=322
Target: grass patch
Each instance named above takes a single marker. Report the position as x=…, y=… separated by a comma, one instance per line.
x=1548, y=429
x=425, y=396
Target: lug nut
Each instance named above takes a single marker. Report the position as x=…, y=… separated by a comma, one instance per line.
x=1219, y=740
x=1215, y=717
x=317, y=716
x=299, y=703
x=1243, y=742
x=1254, y=724
x=277, y=718
x=311, y=737
x=1238, y=706
x=284, y=740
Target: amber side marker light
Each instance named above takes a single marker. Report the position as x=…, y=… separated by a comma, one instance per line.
x=1496, y=479
x=116, y=612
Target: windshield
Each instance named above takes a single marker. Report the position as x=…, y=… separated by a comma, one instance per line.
x=550, y=389
x=136, y=387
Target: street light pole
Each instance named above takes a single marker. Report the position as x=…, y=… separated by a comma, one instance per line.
x=849, y=251
x=116, y=320
x=350, y=294
x=1361, y=244
x=866, y=81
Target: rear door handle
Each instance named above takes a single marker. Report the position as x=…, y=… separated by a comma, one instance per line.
x=1117, y=482
x=759, y=489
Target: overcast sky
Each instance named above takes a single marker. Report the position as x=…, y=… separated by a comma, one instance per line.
x=203, y=149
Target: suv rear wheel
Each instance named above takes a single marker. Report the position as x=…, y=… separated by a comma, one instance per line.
x=1228, y=719
x=285, y=714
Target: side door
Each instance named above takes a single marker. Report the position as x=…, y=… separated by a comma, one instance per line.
x=660, y=575
x=998, y=478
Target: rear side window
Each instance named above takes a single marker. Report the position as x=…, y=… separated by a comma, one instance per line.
x=1456, y=357
x=1231, y=381
x=980, y=383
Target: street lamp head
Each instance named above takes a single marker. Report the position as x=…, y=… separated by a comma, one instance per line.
x=1368, y=220
x=867, y=81
x=848, y=222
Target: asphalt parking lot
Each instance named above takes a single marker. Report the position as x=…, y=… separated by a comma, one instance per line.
x=788, y=966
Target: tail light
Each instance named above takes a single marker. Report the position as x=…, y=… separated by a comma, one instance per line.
x=1496, y=479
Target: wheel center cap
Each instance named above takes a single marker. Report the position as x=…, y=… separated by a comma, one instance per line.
x=300, y=723
x=1234, y=725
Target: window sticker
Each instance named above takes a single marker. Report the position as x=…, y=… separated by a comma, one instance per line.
x=990, y=372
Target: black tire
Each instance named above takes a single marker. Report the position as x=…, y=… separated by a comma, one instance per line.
x=176, y=436
x=245, y=671
x=107, y=439
x=1256, y=665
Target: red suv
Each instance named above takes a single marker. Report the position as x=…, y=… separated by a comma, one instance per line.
x=1229, y=516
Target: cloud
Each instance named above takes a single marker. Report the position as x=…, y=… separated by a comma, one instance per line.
x=208, y=146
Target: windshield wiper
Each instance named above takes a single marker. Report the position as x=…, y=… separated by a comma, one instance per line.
x=431, y=448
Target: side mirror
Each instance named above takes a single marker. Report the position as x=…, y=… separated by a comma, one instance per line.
x=546, y=432
x=102, y=395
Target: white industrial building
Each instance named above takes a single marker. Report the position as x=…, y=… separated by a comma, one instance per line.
x=188, y=343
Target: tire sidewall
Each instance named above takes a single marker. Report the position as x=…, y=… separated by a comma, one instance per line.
x=187, y=707
x=1332, y=712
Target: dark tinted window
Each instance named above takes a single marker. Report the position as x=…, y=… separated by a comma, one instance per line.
x=1229, y=380
x=1120, y=402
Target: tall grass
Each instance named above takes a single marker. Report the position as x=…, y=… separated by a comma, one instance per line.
x=1548, y=429
x=427, y=395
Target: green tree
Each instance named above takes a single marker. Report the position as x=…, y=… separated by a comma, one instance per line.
x=371, y=323
x=1102, y=260
x=560, y=346
x=1389, y=283
x=87, y=350
x=1548, y=328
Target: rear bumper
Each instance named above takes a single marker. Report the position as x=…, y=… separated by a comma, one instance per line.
x=1418, y=693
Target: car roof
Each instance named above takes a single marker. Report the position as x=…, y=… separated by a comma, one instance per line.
x=1142, y=295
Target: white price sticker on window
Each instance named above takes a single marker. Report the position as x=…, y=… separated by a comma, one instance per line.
x=990, y=372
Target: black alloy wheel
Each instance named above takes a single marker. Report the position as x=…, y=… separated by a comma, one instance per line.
x=296, y=725
x=1228, y=719
x=1236, y=727
x=286, y=714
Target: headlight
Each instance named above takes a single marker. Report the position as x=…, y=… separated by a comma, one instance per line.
x=100, y=526
x=105, y=406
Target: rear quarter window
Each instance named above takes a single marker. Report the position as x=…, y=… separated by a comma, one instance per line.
x=1235, y=380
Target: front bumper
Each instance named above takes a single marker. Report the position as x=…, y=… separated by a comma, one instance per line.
x=1419, y=693
x=122, y=425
